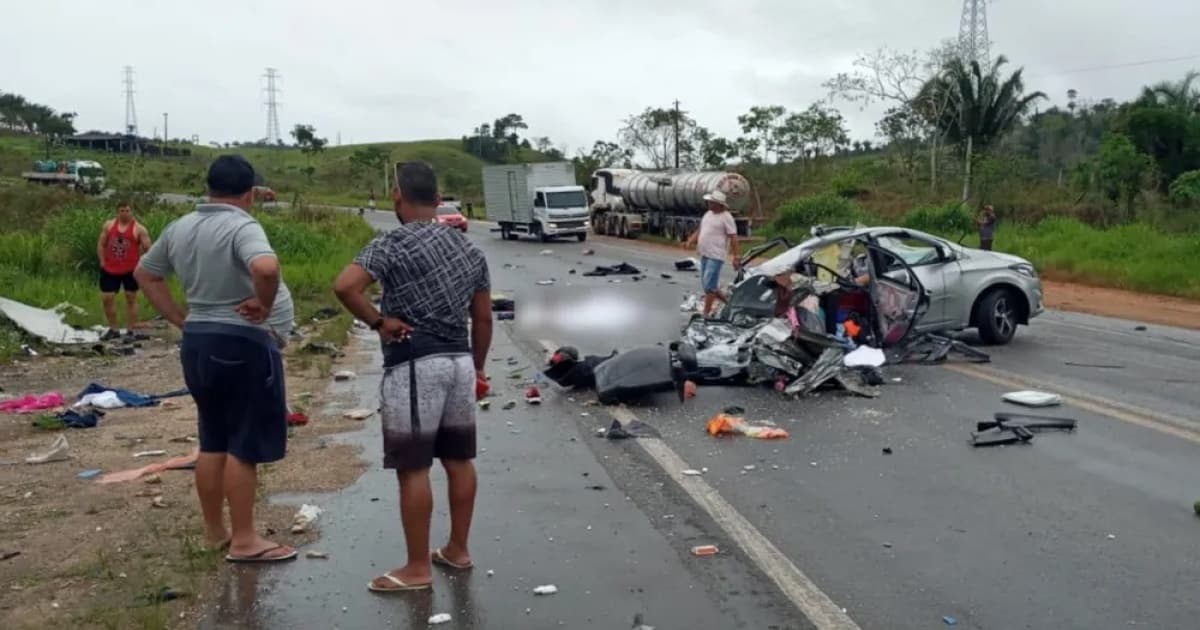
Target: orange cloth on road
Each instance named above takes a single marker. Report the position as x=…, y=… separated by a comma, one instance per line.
x=725, y=423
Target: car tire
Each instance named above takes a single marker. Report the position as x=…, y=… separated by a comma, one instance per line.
x=996, y=317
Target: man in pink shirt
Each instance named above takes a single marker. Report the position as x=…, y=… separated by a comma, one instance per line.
x=717, y=234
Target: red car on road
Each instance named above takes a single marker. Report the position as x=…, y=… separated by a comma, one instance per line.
x=450, y=215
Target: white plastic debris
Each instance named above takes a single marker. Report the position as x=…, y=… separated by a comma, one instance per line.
x=545, y=589
x=749, y=467
x=546, y=252
x=46, y=324
x=344, y=375
x=690, y=303
x=60, y=450
x=690, y=472
x=865, y=356
x=359, y=414
x=1033, y=398
x=304, y=517
x=439, y=619
x=154, y=453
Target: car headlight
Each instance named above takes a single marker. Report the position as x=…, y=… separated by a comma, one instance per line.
x=1025, y=269
x=553, y=225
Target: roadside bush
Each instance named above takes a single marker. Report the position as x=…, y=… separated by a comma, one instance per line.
x=827, y=209
x=849, y=183
x=1185, y=190
x=28, y=206
x=951, y=219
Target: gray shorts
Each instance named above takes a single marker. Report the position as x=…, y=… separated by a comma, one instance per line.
x=445, y=423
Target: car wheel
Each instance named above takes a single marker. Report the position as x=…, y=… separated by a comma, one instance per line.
x=996, y=317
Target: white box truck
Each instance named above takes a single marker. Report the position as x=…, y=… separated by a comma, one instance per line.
x=539, y=199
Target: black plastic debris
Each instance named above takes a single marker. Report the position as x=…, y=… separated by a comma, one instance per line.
x=665, y=276
x=1099, y=366
x=623, y=269
x=505, y=316
x=635, y=429
x=930, y=348
x=1016, y=428
x=502, y=305
x=1140, y=328
x=640, y=372
x=687, y=264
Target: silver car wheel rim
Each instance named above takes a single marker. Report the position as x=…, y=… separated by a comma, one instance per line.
x=1003, y=318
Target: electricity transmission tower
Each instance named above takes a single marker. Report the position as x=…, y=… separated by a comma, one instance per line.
x=130, y=109
x=273, y=135
x=973, y=32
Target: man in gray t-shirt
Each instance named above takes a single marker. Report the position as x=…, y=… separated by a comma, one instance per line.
x=238, y=314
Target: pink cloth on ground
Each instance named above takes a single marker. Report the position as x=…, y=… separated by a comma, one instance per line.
x=31, y=403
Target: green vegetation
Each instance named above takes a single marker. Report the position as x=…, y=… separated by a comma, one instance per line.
x=53, y=260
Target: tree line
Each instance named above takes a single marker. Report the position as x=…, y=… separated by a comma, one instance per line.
x=21, y=115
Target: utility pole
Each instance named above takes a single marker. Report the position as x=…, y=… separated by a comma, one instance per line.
x=676, y=133
x=166, y=136
x=130, y=110
x=973, y=39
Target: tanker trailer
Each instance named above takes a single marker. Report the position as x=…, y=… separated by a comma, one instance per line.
x=627, y=202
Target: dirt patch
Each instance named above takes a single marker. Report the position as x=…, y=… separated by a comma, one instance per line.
x=94, y=556
x=1142, y=307
x=1065, y=296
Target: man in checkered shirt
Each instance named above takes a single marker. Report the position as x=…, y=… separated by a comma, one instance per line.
x=434, y=280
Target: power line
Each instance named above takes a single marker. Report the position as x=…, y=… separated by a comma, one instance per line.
x=1129, y=64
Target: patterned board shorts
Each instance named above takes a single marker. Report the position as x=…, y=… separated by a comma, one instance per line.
x=445, y=423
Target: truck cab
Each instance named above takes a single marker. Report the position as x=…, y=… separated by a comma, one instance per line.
x=561, y=210
x=89, y=175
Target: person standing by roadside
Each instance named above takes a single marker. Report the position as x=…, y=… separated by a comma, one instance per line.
x=371, y=201
x=987, y=227
x=239, y=314
x=434, y=280
x=713, y=241
x=122, y=242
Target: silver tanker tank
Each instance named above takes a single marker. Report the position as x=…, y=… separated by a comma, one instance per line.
x=683, y=192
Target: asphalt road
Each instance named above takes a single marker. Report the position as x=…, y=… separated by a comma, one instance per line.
x=1086, y=530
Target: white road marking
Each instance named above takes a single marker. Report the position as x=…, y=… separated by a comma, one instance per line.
x=804, y=594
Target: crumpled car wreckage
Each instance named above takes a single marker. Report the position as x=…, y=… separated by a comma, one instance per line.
x=792, y=320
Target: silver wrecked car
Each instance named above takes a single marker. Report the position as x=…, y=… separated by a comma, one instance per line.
x=900, y=282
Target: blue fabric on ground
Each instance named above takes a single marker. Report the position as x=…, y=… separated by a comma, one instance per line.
x=131, y=399
x=74, y=420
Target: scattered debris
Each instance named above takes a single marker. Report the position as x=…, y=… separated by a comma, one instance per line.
x=588, y=252
x=153, y=479
x=1101, y=366
x=705, y=550
x=1033, y=398
x=512, y=404
x=545, y=589
x=46, y=325
x=1140, y=328
x=505, y=316
x=344, y=375
x=153, y=453
x=297, y=419
x=546, y=252
x=31, y=403
x=1011, y=428
x=949, y=621
x=158, y=502
x=59, y=450
x=316, y=555
x=89, y=474
x=491, y=573
x=485, y=404
x=322, y=348
x=749, y=467
x=1112, y=536
x=727, y=422
x=533, y=396
x=546, y=283
x=1196, y=508
x=359, y=414
x=186, y=439
x=305, y=516
x=622, y=269
x=439, y=618
x=9, y=555
x=690, y=472
x=630, y=430
x=686, y=264
x=864, y=356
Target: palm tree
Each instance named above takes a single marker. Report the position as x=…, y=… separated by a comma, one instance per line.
x=981, y=107
x=1180, y=95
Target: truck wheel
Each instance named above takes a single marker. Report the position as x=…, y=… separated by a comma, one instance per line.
x=581, y=237
x=505, y=232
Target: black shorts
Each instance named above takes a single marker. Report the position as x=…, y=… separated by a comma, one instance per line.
x=111, y=283
x=235, y=375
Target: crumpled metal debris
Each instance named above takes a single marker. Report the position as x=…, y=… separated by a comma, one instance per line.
x=44, y=324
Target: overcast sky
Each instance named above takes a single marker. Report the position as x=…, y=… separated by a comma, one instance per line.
x=379, y=70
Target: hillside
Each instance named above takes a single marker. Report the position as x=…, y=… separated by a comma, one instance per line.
x=334, y=178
